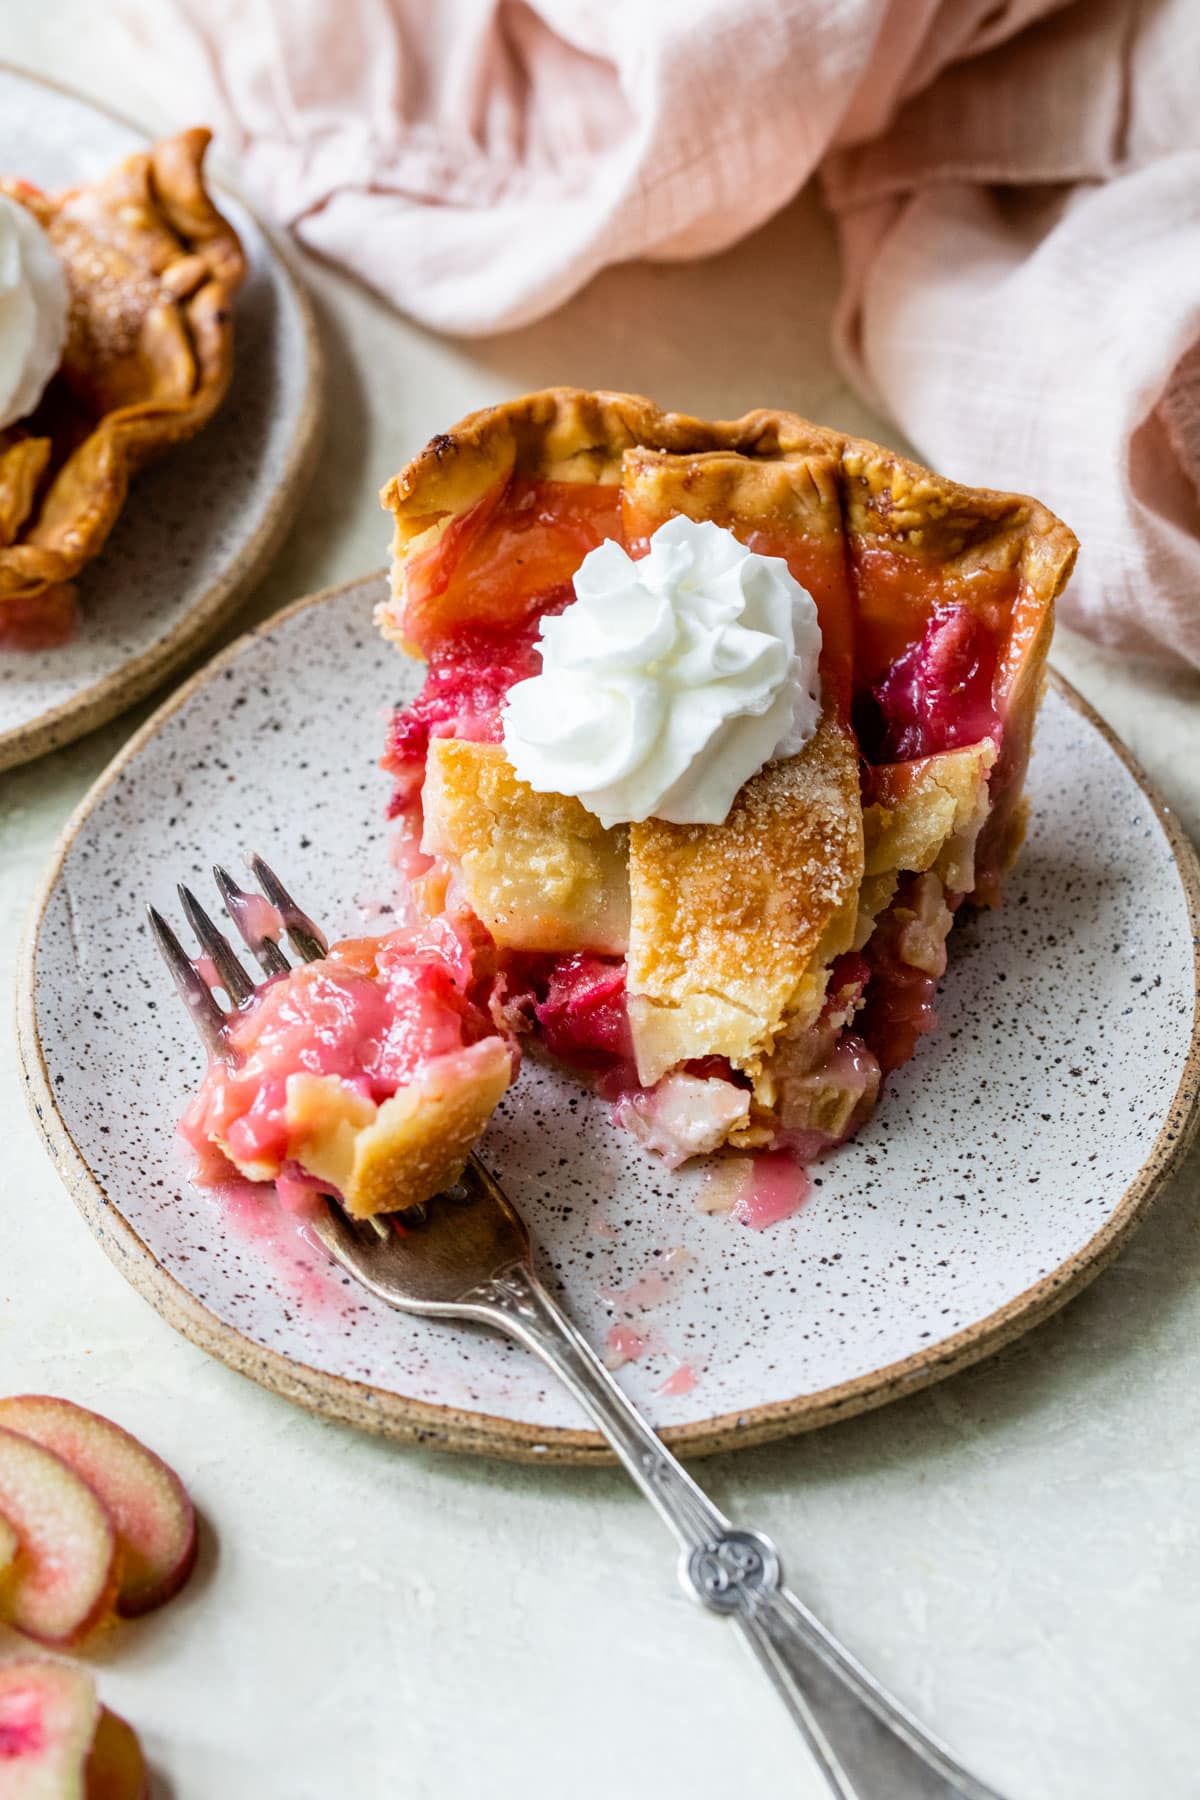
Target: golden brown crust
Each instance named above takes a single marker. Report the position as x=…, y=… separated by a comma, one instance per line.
x=539, y=869
x=925, y=808
x=419, y=1144
x=794, y=495
x=896, y=504
x=22, y=466
x=409, y=1147
x=731, y=925
x=152, y=268
x=570, y=433
x=771, y=471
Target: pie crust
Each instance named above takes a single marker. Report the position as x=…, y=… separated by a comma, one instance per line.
x=539, y=870
x=733, y=926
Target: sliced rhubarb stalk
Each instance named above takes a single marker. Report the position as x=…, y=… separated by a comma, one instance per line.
x=48, y=1720
x=9, y=1545
x=146, y=1501
x=66, y=1563
x=116, y=1768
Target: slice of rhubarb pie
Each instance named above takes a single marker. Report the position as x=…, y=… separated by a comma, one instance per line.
x=722, y=724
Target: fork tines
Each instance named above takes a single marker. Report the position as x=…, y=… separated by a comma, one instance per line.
x=193, y=990
x=234, y=979
x=260, y=920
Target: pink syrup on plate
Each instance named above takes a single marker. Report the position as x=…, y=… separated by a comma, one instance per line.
x=774, y=1187
x=283, y=1239
x=652, y=1287
x=680, y=1381
x=625, y=1344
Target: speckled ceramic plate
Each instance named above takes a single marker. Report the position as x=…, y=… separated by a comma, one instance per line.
x=202, y=523
x=1003, y=1168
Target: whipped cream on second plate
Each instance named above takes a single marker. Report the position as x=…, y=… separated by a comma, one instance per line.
x=670, y=680
x=33, y=311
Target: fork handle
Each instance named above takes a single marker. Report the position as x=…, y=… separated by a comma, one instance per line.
x=864, y=1742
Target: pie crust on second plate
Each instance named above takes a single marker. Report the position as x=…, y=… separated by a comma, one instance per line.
x=152, y=269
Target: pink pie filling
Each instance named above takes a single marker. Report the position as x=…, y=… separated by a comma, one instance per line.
x=578, y=1002
x=22, y=1729
x=899, y=1006
x=45, y=622
x=579, y=1006
x=937, y=695
x=467, y=678
x=841, y=1056
x=373, y=1014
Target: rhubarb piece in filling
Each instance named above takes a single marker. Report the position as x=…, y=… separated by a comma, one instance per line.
x=745, y=984
x=368, y=1075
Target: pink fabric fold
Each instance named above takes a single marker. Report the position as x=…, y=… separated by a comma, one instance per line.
x=1017, y=189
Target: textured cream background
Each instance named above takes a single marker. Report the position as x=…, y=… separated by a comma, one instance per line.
x=1016, y=1552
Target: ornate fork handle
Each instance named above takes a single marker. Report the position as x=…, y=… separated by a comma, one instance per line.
x=516, y=1301
x=866, y=1745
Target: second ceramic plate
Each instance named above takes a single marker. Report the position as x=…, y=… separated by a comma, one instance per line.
x=1003, y=1167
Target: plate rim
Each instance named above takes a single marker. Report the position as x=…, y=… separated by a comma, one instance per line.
x=385, y=1413
x=122, y=688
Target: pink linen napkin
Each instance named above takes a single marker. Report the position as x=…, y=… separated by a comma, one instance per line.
x=1017, y=189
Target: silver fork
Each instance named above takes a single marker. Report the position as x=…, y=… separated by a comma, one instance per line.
x=470, y=1259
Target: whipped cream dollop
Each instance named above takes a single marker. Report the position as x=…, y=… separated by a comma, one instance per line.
x=670, y=680
x=33, y=311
